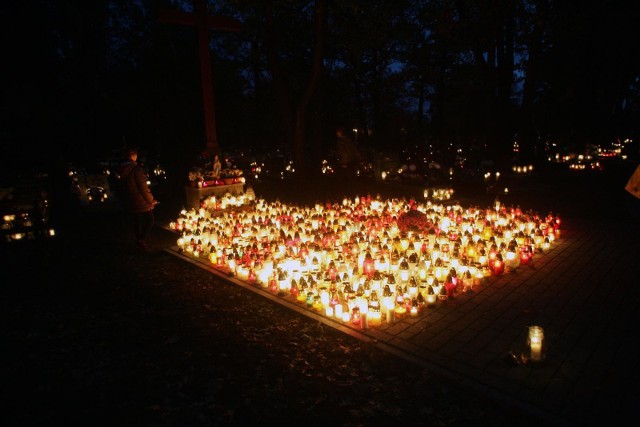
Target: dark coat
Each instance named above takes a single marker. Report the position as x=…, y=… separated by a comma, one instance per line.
x=134, y=190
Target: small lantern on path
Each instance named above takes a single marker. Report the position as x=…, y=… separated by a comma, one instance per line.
x=536, y=343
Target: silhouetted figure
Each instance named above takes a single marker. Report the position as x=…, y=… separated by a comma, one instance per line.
x=348, y=154
x=136, y=197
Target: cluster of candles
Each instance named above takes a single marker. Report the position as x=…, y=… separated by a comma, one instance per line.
x=350, y=261
x=438, y=193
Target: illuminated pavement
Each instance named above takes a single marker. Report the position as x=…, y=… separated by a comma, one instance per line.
x=584, y=292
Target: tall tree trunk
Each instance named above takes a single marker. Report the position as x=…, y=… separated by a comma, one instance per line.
x=504, y=79
x=528, y=119
x=284, y=102
x=295, y=129
x=320, y=26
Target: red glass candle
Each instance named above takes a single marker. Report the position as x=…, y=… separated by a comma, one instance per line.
x=368, y=266
x=497, y=266
x=525, y=254
x=450, y=285
x=355, y=315
x=294, y=290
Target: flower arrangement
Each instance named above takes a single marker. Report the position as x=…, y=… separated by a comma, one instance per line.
x=196, y=175
x=414, y=220
x=202, y=176
x=230, y=173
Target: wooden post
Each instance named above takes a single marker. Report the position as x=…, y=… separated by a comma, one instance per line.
x=203, y=23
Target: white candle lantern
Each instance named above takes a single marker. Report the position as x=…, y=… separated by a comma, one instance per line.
x=404, y=270
x=431, y=296
x=536, y=343
x=511, y=260
x=338, y=311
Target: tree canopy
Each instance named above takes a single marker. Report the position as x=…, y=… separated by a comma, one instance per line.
x=87, y=77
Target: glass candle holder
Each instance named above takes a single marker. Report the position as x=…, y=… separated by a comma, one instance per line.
x=536, y=345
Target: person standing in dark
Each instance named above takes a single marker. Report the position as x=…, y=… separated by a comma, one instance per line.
x=347, y=151
x=136, y=197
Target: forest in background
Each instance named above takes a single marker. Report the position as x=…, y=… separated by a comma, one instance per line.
x=85, y=78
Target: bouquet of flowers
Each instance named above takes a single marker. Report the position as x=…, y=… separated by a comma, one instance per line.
x=414, y=220
x=230, y=173
x=196, y=175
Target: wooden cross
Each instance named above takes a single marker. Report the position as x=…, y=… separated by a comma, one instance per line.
x=203, y=23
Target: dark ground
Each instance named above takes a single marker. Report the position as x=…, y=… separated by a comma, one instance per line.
x=98, y=333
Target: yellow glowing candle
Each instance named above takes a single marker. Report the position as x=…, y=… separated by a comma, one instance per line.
x=400, y=311
x=302, y=297
x=243, y=272
x=317, y=303
x=375, y=317
x=536, y=336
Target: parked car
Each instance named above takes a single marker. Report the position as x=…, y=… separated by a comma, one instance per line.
x=24, y=210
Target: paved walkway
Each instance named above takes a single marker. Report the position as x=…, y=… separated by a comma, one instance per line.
x=584, y=292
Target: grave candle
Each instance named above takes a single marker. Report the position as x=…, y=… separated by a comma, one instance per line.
x=536, y=337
